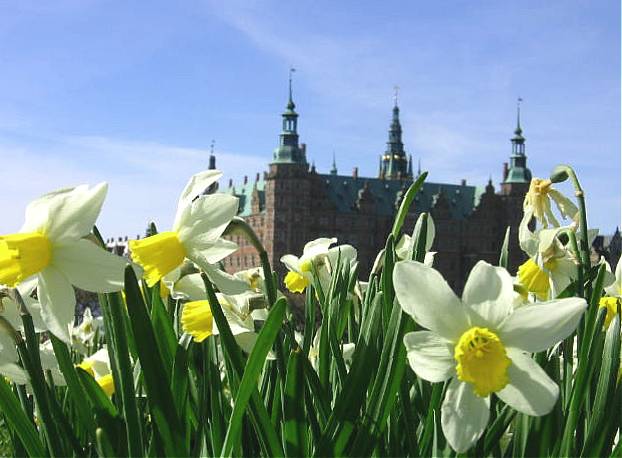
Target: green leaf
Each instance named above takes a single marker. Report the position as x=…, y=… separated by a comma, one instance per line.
x=157, y=384
x=19, y=422
x=259, y=415
x=255, y=363
x=295, y=425
x=405, y=205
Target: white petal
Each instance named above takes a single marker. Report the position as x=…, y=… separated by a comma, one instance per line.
x=536, y=327
x=8, y=351
x=208, y=216
x=14, y=372
x=58, y=302
x=616, y=288
x=430, y=232
x=530, y=390
x=404, y=248
x=317, y=247
x=201, y=251
x=196, y=185
x=528, y=240
x=423, y=294
x=90, y=267
x=430, y=356
x=226, y=283
x=346, y=254
x=291, y=262
x=489, y=294
x=464, y=415
x=71, y=214
x=428, y=261
x=565, y=206
x=190, y=287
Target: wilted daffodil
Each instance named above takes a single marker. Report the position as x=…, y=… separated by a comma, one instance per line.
x=537, y=203
x=300, y=273
x=481, y=343
x=200, y=221
x=551, y=265
x=98, y=366
x=51, y=246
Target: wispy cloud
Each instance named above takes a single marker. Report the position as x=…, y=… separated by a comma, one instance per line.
x=145, y=177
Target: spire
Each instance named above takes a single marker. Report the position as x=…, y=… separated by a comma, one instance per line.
x=419, y=167
x=212, y=157
x=518, y=171
x=289, y=151
x=333, y=170
x=394, y=158
x=290, y=102
x=410, y=166
x=518, y=131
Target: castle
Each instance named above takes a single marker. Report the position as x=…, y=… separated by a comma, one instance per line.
x=292, y=203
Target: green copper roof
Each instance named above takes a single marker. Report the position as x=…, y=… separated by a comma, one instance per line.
x=518, y=175
x=245, y=193
x=343, y=192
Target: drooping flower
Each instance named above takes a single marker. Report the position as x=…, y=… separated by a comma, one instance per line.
x=197, y=318
x=551, y=266
x=319, y=259
x=98, y=366
x=300, y=273
x=537, y=203
x=481, y=343
x=196, y=234
x=52, y=247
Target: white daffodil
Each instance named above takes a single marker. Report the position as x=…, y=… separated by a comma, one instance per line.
x=98, y=366
x=198, y=321
x=347, y=350
x=83, y=334
x=551, y=266
x=300, y=273
x=537, y=203
x=613, y=299
x=405, y=247
x=52, y=247
x=481, y=343
x=18, y=375
x=196, y=235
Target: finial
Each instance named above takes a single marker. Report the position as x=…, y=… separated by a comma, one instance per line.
x=518, y=102
x=419, y=167
x=396, y=91
x=211, y=147
x=212, y=158
x=291, y=71
x=333, y=170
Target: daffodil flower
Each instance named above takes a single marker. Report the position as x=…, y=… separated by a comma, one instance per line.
x=405, y=247
x=537, y=203
x=613, y=299
x=197, y=318
x=52, y=247
x=83, y=334
x=481, y=344
x=347, y=349
x=300, y=273
x=200, y=221
x=98, y=366
x=551, y=265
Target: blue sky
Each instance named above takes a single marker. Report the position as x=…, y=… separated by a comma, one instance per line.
x=133, y=93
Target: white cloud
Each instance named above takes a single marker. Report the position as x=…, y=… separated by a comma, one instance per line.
x=145, y=177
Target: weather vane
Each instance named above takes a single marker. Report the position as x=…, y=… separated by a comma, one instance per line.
x=211, y=147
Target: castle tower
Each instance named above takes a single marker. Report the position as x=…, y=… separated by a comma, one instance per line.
x=394, y=162
x=289, y=151
x=517, y=177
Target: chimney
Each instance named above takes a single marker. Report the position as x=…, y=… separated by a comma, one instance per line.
x=212, y=162
x=506, y=170
x=245, y=179
x=355, y=173
x=463, y=182
x=257, y=177
x=230, y=182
